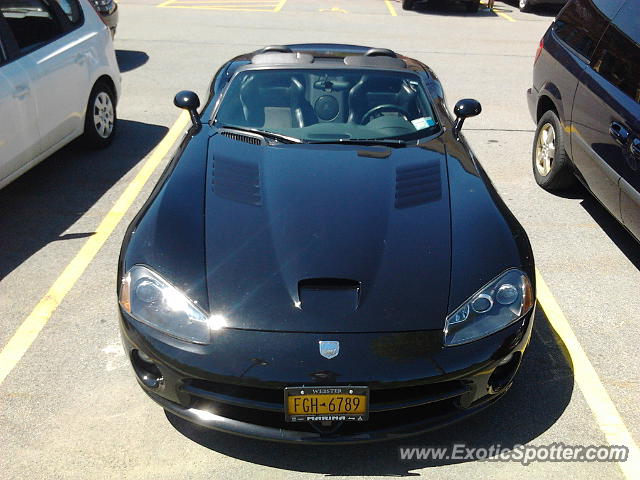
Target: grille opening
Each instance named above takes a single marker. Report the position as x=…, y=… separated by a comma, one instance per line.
x=436, y=412
x=379, y=398
x=328, y=284
x=439, y=389
x=265, y=394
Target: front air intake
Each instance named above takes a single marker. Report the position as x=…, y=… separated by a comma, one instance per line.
x=329, y=296
x=241, y=137
x=328, y=284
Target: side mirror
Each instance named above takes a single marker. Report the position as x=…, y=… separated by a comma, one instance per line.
x=189, y=101
x=467, y=107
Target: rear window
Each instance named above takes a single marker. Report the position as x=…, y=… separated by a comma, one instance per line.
x=582, y=22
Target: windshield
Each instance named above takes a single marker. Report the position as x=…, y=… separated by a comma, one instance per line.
x=329, y=105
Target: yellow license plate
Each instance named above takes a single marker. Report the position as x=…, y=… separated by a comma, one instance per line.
x=308, y=404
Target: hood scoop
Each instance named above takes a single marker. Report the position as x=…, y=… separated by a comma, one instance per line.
x=329, y=296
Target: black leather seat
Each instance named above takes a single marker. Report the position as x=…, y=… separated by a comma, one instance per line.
x=372, y=91
x=270, y=101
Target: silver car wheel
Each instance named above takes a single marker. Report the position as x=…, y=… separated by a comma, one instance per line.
x=103, y=115
x=545, y=149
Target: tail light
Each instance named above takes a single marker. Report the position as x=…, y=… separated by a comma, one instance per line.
x=539, y=51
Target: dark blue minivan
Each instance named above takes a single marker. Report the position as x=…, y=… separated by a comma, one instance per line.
x=585, y=101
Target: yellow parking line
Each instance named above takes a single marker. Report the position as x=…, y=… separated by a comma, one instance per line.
x=225, y=2
x=587, y=379
x=222, y=9
x=498, y=11
x=504, y=15
x=29, y=330
x=227, y=5
x=391, y=8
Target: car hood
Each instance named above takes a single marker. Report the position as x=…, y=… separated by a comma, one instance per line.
x=327, y=238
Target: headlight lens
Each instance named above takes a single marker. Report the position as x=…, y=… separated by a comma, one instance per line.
x=150, y=299
x=495, y=306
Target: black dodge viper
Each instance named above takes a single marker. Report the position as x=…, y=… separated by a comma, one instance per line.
x=324, y=258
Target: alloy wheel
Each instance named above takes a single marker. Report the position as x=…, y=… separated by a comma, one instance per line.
x=545, y=149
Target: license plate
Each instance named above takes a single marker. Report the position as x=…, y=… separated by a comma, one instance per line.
x=326, y=404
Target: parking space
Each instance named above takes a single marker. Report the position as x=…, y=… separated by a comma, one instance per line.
x=228, y=5
x=69, y=405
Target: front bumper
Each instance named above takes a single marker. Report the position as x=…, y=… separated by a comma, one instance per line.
x=236, y=384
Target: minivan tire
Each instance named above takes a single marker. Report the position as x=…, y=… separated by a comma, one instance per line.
x=551, y=165
x=473, y=6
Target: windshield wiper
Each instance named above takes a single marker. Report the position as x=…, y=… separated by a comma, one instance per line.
x=363, y=141
x=274, y=136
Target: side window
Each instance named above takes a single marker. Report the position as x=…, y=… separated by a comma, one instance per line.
x=32, y=23
x=72, y=10
x=617, y=57
x=581, y=24
x=4, y=55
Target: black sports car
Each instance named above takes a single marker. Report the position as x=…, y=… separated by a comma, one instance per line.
x=324, y=259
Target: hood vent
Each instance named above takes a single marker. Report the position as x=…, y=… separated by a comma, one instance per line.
x=243, y=137
x=238, y=181
x=328, y=284
x=418, y=184
x=329, y=296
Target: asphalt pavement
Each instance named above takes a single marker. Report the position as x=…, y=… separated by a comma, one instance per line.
x=71, y=408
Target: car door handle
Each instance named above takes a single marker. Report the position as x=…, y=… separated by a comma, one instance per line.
x=618, y=132
x=80, y=58
x=21, y=91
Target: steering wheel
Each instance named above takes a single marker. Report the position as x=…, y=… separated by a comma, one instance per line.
x=387, y=107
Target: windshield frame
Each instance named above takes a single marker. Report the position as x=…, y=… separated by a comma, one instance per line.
x=429, y=132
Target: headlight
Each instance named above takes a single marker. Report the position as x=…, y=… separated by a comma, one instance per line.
x=150, y=299
x=495, y=306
